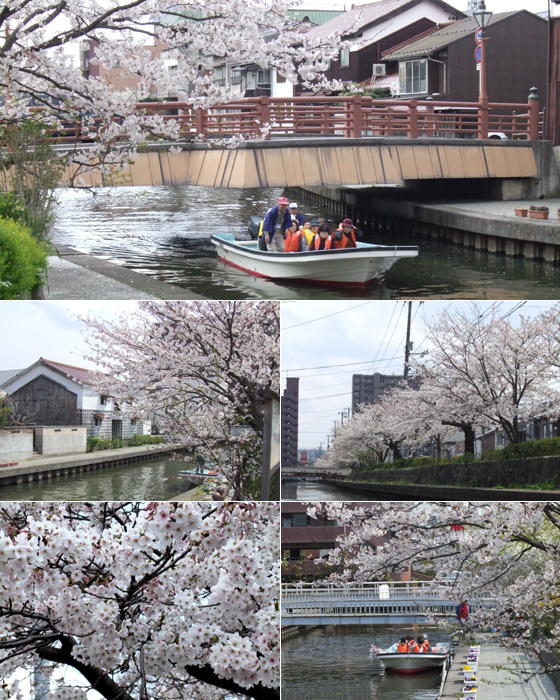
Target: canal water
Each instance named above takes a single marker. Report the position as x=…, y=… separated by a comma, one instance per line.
x=150, y=480
x=332, y=663
x=317, y=491
x=165, y=232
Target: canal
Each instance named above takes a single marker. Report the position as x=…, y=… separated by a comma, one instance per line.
x=317, y=491
x=150, y=480
x=165, y=232
x=332, y=663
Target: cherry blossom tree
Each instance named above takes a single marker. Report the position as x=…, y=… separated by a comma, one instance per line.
x=37, y=68
x=482, y=370
x=200, y=368
x=142, y=600
x=506, y=551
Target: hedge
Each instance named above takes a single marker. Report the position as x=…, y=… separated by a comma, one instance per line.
x=23, y=260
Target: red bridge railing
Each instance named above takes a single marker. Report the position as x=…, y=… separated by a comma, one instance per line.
x=355, y=117
x=346, y=117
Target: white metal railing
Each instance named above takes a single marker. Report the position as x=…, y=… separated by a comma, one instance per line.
x=393, y=590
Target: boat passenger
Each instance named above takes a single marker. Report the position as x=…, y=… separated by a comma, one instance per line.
x=323, y=240
x=346, y=234
x=295, y=240
x=412, y=646
x=296, y=216
x=403, y=646
x=276, y=221
x=311, y=231
x=423, y=643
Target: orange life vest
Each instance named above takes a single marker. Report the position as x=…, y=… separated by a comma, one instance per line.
x=402, y=648
x=316, y=242
x=347, y=241
x=426, y=645
x=291, y=243
x=414, y=647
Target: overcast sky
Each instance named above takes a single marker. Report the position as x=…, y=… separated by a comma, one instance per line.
x=34, y=329
x=359, y=333
x=492, y=5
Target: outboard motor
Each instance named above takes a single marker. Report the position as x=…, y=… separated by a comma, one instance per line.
x=254, y=225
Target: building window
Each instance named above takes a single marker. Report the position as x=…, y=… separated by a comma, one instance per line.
x=220, y=75
x=344, y=58
x=263, y=78
x=103, y=400
x=235, y=77
x=413, y=77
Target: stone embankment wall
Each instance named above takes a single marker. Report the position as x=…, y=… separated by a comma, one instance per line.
x=533, y=470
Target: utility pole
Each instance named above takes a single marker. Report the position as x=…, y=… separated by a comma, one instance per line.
x=407, y=347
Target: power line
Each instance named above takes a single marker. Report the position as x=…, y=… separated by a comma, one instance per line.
x=304, y=323
x=329, y=396
x=346, y=364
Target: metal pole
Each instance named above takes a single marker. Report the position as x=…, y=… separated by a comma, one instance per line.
x=407, y=346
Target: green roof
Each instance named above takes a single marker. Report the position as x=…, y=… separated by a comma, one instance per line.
x=315, y=16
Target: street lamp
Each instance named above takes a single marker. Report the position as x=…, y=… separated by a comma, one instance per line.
x=483, y=17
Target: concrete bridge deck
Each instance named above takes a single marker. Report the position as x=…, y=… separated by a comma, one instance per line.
x=328, y=162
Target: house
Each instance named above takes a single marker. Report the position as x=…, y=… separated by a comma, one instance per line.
x=49, y=393
x=374, y=29
x=305, y=540
x=442, y=62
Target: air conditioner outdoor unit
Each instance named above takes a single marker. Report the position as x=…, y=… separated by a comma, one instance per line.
x=379, y=70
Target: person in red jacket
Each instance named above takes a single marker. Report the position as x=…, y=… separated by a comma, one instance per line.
x=423, y=643
x=402, y=647
x=346, y=234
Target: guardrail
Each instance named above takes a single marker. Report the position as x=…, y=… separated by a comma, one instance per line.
x=344, y=117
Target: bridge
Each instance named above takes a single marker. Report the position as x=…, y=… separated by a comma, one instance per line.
x=335, y=141
x=376, y=603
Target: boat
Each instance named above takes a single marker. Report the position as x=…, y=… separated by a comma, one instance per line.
x=342, y=266
x=413, y=662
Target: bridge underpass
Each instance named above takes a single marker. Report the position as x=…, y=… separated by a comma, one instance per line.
x=370, y=604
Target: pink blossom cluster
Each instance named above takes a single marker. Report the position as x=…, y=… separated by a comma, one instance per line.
x=158, y=597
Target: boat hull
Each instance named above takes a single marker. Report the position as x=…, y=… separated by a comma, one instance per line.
x=412, y=663
x=348, y=267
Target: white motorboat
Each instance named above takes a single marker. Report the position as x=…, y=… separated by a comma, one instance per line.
x=346, y=266
x=413, y=662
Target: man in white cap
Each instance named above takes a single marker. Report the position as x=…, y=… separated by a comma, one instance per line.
x=300, y=218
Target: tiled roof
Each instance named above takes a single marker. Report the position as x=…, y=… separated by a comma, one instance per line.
x=359, y=16
x=7, y=374
x=391, y=80
x=441, y=38
x=315, y=16
x=79, y=374
x=363, y=15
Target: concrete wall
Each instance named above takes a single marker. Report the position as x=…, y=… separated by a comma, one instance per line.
x=16, y=445
x=485, y=474
x=60, y=441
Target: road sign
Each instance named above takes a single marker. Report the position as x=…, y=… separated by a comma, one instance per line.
x=478, y=36
x=478, y=54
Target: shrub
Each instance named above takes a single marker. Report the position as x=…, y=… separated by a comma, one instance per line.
x=137, y=440
x=23, y=260
x=521, y=450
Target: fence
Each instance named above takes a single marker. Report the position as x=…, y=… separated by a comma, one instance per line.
x=344, y=117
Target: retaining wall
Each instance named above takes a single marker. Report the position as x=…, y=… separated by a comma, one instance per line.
x=53, y=441
x=16, y=445
x=533, y=470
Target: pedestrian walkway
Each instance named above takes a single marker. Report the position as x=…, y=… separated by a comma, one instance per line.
x=506, y=209
x=499, y=684
x=75, y=275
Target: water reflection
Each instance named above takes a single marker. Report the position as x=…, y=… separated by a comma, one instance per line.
x=165, y=232
x=333, y=662
x=151, y=480
x=317, y=491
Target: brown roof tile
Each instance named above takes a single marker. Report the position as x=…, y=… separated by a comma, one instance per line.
x=79, y=374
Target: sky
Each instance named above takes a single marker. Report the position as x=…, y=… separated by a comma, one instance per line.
x=48, y=329
x=325, y=353
x=492, y=5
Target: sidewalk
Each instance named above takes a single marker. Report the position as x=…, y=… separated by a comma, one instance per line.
x=75, y=275
x=494, y=684
x=501, y=208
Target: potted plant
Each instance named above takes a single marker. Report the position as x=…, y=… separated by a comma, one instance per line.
x=538, y=212
x=521, y=211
